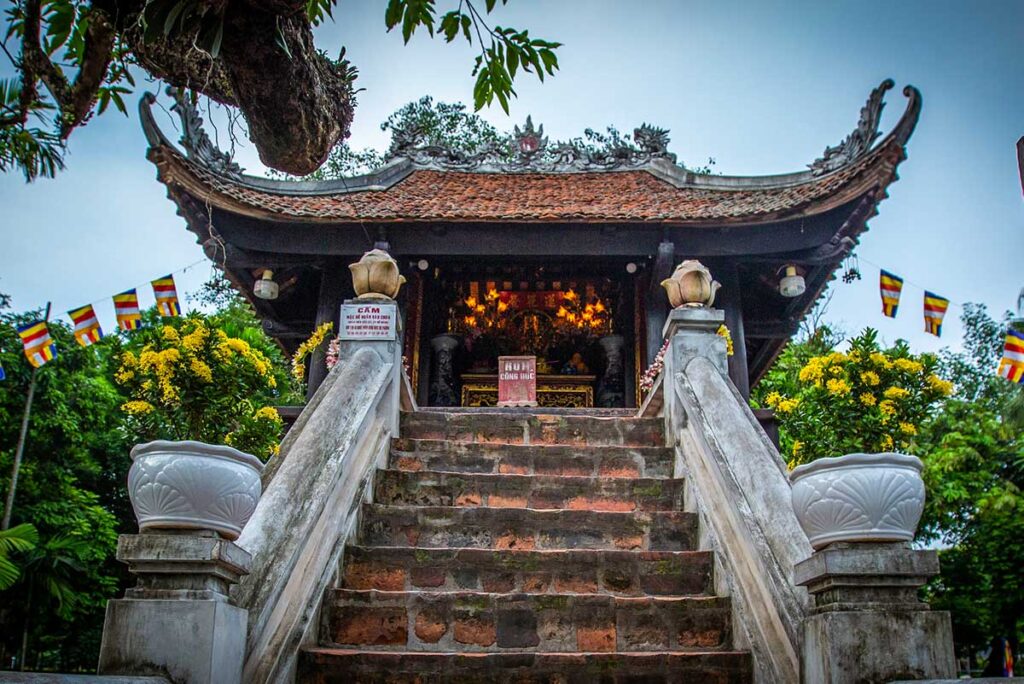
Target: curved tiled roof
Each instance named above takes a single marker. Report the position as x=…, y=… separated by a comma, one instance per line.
x=657, y=192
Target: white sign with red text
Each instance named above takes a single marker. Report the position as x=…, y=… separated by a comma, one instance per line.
x=368, y=322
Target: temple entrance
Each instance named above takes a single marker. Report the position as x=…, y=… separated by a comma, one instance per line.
x=578, y=320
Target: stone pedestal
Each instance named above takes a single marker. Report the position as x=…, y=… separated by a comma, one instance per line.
x=694, y=332
x=178, y=620
x=442, y=371
x=867, y=624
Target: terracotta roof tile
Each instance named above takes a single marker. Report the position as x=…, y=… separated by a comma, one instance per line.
x=620, y=196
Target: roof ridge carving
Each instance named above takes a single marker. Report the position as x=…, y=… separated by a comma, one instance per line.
x=533, y=153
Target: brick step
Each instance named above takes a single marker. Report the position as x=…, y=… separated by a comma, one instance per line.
x=518, y=459
x=327, y=665
x=619, y=573
x=532, y=428
x=524, y=528
x=477, y=621
x=400, y=488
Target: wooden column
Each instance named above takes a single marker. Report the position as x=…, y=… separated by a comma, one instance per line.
x=730, y=299
x=328, y=309
x=656, y=301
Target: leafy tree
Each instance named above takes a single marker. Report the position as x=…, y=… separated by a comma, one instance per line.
x=451, y=126
x=72, y=483
x=17, y=539
x=974, y=473
x=75, y=58
x=75, y=450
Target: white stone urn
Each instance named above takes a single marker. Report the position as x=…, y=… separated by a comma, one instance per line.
x=859, y=498
x=194, y=486
x=691, y=285
x=376, y=276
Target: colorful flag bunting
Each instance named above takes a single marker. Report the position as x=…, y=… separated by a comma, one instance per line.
x=891, y=286
x=126, y=307
x=934, y=311
x=166, y=296
x=1011, y=366
x=39, y=346
x=87, y=326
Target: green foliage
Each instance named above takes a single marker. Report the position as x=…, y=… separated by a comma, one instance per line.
x=73, y=60
x=191, y=380
x=973, y=455
x=867, y=399
x=71, y=486
x=503, y=52
x=21, y=538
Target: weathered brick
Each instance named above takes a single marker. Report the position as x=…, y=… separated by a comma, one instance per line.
x=360, y=625
x=477, y=630
x=517, y=628
x=430, y=626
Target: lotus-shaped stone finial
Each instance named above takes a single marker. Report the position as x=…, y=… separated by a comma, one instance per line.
x=376, y=276
x=691, y=285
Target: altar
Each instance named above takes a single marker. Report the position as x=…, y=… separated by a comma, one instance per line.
x=553, y=391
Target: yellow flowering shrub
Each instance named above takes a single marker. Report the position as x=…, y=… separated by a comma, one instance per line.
x=192, y=381
x=867, y=399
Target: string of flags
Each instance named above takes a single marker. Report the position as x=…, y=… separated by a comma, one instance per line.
x=890, y=286
x=40, y=348
x=1011, y=366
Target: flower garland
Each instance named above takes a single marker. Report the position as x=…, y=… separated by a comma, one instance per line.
x=650, y=375
x=307, y=348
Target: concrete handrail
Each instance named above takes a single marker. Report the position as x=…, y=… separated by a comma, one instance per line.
x=736, y=482
x=311, y=503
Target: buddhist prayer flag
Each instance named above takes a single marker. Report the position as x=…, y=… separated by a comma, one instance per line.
x=39, y=346
x=87, y=327
x=126, y=307
x=891, y=286
x=1011, y=366
x=934, y=311
x=166, y=296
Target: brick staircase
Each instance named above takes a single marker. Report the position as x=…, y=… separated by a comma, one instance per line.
x=519, y=547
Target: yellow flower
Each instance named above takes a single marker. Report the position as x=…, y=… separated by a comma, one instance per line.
x=868, y=399
x=787, y=405
x=201, y=370
x=838, y=387
x=887, y=442
x=908, y=428
x=943, y=387
x=773, y=399
x=195, y=340
x=268, y=413
x=888, y=409
x=908, y=365
x=896, y=393
x=812, y=372
x=306, y=348
x=724, y=333
x=836, y=357
x=169, y=334
x=880, y=360
x=870, y=378
x=137, y=408
x=797, y=447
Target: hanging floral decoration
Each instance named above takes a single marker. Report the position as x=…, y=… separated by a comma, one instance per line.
x=307, y=348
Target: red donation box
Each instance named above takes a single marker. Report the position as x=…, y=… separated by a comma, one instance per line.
x=517, y=381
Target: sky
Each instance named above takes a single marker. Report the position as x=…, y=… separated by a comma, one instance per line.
x=761, y=86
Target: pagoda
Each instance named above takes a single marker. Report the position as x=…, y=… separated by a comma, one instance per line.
x=545, y=249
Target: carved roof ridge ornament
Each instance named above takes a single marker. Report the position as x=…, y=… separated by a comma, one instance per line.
x=195, y=140
x=532, y=153
x=859, y=142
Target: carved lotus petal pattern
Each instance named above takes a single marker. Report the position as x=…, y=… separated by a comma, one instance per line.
x=177, y=489
x=859, y=502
